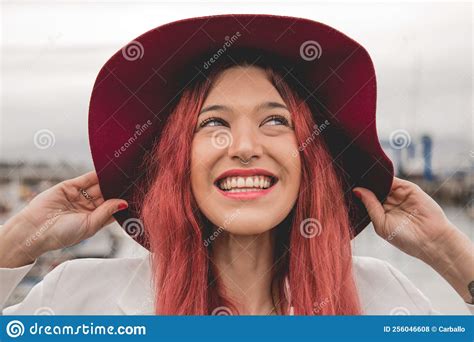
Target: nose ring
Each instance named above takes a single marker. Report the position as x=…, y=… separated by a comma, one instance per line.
x=244, y=162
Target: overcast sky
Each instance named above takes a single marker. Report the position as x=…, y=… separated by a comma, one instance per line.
x=52, y=51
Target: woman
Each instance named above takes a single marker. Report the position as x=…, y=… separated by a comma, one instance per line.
x=244, y=203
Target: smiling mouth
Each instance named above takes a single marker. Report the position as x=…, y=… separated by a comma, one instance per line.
x=246, y=184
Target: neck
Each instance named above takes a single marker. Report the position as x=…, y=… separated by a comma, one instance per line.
x=244, y=264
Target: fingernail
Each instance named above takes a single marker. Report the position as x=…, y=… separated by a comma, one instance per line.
x=122, y=206
x=357, y=193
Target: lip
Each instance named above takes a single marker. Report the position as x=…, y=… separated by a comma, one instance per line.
x=246, y=195
x=245, y=173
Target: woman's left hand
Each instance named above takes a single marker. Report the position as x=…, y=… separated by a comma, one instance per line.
x=409, y=218
x=413, y=222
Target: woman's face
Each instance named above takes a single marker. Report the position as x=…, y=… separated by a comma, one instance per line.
x=244, y=117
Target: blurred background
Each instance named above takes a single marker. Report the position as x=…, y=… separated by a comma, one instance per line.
x=53, y=50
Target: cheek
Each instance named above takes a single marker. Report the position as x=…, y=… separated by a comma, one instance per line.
x=287, y=155
x=203, y=157
x=296, y=179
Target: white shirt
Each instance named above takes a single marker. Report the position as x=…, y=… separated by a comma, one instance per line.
x=123, y=286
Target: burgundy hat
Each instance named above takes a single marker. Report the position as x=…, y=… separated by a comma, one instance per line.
x=135, y=89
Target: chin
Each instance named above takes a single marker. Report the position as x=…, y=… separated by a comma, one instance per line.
x=251, y=227
x=246, y=231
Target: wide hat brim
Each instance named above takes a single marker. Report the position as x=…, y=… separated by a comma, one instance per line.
x=131, y=99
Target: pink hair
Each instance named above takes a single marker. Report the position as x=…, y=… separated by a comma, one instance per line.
x=318, y=269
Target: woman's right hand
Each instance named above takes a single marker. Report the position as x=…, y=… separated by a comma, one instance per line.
x=56, y=218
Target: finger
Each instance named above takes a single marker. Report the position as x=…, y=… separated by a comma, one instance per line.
x=399, y=183
x=103, y=214
x=84, y=196
x=98, y=202
x=399, y=191
x=394, y=199
x=86, y=180
x=95, y=193
x=389, y=206
x=372, y=204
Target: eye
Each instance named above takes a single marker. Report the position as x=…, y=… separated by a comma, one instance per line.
x=212, y=121
x=278, y=119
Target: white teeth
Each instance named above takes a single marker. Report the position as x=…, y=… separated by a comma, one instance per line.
x=244, y=183
x=249, y=182
x=243, y=190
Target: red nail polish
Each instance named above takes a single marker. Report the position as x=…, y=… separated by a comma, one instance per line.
x=122, y=206
x=357, y=193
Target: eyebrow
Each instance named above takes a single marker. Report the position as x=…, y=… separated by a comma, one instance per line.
x=264, y=105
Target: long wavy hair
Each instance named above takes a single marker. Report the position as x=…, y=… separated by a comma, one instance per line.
x=317, y=270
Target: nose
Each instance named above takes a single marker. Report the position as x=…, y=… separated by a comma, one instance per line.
x=246, y=143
